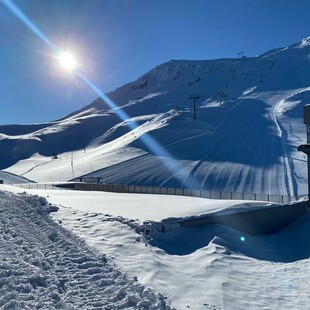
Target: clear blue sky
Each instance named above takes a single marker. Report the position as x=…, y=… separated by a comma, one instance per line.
x=119, y=40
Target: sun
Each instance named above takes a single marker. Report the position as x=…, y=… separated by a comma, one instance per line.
x=67, y=61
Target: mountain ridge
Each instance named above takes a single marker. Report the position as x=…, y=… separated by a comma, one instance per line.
x=246, y=104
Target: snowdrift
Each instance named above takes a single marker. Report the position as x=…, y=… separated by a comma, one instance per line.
x=212, y=266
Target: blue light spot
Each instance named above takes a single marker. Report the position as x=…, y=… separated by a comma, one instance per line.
x=242, y=238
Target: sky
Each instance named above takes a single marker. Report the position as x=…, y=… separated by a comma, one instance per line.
x=116, y=41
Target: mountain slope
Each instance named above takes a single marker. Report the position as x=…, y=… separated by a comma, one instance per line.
x=248, y=126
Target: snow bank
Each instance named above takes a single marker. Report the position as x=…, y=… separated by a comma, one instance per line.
x=42, y=265
x=210, y=267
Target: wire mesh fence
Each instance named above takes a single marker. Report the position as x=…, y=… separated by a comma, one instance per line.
x=53, y=186
x=202, y=193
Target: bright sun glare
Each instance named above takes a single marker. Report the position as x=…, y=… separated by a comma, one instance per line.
x=67, y=61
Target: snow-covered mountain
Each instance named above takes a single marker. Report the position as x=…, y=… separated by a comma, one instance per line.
x=244, y=138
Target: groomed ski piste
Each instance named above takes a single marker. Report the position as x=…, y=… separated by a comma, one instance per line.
x=127, y=251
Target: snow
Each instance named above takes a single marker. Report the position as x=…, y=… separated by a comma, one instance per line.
x=110, y=250
x=89, y=159
x=208, y=267
x=42, y=169
x=245, y=138
x=133, y=206
x=45, y=266
x=10, y=178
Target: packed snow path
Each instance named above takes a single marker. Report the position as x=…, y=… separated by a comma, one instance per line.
x=43, y=266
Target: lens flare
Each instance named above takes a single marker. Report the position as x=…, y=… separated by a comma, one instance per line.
x=149, y=141
x=242, y=238
x=67, y=61
x=23, y=17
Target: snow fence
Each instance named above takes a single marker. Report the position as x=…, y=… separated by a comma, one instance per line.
x=139, y=189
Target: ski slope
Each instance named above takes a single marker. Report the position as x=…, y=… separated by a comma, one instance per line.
x=245, y=137
x=10, y=178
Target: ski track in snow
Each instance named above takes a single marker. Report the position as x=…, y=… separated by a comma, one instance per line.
x=288, y=165
x=36, y=166
x=44, y=266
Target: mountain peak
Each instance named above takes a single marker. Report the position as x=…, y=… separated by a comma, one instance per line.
x=305, y=42
x=245, y=106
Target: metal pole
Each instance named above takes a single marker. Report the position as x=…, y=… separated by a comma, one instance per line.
x=308, y=161
x=305, y=148
x=307, y=123
x=194, y=97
